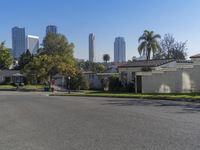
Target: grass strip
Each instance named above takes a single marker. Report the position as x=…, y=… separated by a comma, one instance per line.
x=23, y=88
x=179, y=97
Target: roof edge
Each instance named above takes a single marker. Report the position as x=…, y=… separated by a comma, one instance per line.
x=129, y=66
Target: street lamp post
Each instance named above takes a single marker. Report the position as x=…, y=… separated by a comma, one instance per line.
x=69, y=78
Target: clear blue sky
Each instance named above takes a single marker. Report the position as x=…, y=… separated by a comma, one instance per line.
x=107, y=19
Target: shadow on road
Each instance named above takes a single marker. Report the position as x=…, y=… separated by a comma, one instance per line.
x=185, y=106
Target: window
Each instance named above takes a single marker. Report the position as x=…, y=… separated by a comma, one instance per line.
x=133, y=77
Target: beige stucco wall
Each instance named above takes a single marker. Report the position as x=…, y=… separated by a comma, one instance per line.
x=173, y=77
x=182, y=80
x=195, y=59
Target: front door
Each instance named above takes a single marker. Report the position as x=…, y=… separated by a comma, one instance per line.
x=139, y=84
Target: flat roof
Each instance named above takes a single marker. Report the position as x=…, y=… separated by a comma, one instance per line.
x=146, y=63
x=195, y=56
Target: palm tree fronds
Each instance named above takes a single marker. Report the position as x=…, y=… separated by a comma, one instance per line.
x=148, y=43
x=141, y=47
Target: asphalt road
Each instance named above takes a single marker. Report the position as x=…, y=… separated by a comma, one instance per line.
x=37, y=122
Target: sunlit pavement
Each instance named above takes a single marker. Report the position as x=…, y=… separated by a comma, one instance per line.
x=35, y=121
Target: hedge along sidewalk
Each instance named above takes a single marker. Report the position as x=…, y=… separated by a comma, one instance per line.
x=194, y=97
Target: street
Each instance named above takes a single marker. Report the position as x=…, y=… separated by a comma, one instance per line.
x=35, y=121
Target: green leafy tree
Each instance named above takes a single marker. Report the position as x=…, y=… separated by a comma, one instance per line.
x=91, y=66
x=98, y=68
x=24, y=59
x=58, y=48
x=57, y=44
x=38, y=68
x=5, y=57
x=78, y=82
x=114, y=84
x=55, y=58
x=148, y=43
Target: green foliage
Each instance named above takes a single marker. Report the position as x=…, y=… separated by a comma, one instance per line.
x=5, y=57
x=148, y=43
x=57, y=44
x=39, y=68
x=130, y=88
x=78, y=82
x=55, y=58
x=24, y=59
x=159, y=96
x=91, y=66
x=114, y=84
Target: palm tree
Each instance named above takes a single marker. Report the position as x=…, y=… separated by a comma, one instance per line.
x=148, y=43
x=106, y=58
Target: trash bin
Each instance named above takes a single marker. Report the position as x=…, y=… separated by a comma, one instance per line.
x=46, y=89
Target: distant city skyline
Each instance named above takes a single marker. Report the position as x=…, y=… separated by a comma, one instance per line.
x=76, y=19
x=92, y=48
x=32, y=43
x=18, y=41
x=52, y=29
x=119, y=49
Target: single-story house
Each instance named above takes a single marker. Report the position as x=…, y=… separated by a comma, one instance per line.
x=11, y=76
x=163, y=76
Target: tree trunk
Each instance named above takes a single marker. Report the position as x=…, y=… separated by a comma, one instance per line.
x=148, y=54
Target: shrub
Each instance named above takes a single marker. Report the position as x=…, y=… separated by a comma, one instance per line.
x=79, y=82
x=115, y=84
x=130, y=87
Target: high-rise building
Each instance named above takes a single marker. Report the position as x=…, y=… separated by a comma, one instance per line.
x=119, y=50
x=92, y=57
x=18, y=41
x=32, y=43
x=51, y=29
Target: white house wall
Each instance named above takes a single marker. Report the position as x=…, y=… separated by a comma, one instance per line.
x=184, y=79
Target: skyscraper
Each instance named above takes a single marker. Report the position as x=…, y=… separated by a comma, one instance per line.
x=51, y=29
x=18, y=41
x=32, y=43
x=119, y=50
x=92, y=48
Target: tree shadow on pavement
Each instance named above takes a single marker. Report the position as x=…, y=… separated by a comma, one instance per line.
x=187, y=107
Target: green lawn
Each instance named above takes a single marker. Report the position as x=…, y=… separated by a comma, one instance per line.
x=23, y=88
x=33, y=87
x=171, y=96
x=7, y=87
